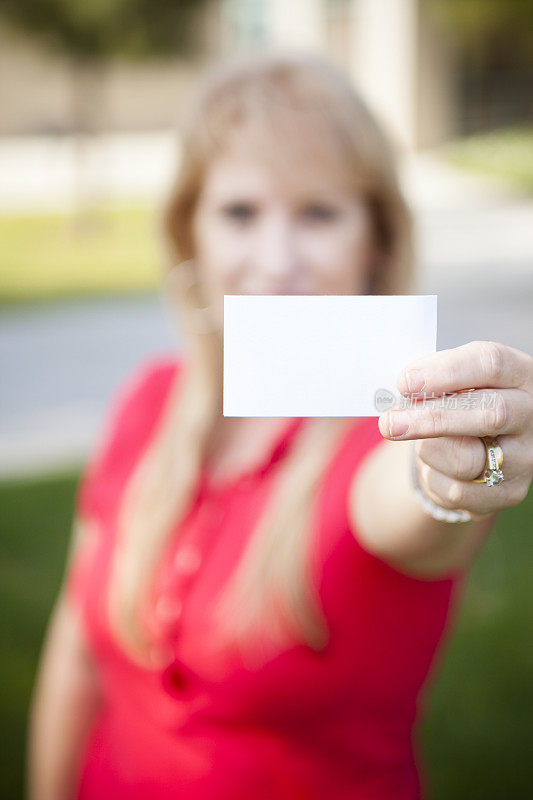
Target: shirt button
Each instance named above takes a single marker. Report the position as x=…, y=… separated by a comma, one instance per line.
x=187, y=559
x=168, y=608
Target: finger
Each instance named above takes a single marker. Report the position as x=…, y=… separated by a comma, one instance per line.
x=477, y=365
x=463, y=457
x=494, y=413
x=475, y=497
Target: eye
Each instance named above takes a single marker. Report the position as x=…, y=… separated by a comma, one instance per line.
x=241, y=212
x=319, y=212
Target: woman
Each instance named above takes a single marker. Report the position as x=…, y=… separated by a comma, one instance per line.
x=252, y=606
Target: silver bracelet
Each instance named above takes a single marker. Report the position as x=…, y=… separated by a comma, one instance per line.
x=431, y=508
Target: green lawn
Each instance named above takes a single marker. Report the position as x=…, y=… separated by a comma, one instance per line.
x=50, y=256
x=479, y=722
x=505, y=154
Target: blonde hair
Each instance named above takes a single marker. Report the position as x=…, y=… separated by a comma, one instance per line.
x=301, y=112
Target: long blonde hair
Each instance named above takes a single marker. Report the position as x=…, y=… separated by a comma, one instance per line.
x=301, y=112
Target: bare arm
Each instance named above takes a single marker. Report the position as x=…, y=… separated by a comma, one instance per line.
x=392, y=524
x=450, y=454
x=65, y=699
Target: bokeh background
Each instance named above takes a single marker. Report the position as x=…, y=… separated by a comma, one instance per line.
x=91, y=95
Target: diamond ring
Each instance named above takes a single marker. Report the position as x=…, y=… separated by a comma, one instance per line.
x=492, y=473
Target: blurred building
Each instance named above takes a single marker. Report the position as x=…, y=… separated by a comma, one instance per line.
x=407, y=67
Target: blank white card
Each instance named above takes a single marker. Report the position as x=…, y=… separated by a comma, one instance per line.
x=321, y=355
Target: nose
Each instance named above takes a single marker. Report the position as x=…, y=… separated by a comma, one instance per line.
x=275, y=259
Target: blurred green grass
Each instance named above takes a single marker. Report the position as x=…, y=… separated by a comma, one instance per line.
x=505, y=154
x=109, y=249
x=477, y=734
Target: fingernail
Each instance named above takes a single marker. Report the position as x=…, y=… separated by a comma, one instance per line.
x=398, y=423
x=415, y=380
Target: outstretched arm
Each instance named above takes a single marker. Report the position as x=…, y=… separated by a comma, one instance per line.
x=383, y=506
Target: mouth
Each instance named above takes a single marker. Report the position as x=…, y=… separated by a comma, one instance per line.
x=279, y=291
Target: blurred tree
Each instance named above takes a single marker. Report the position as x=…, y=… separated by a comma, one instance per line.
x=493, y=43
x=99, y=29
x=92, y=32
x=480, y=24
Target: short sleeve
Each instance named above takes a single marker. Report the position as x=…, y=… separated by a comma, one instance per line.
x=131, y=415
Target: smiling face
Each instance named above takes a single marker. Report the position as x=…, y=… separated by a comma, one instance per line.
x=256, y=234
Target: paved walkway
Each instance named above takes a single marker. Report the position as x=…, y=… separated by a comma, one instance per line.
x=60, y=362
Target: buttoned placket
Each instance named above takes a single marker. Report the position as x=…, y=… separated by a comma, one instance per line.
x=212, y=508
x=183, y=569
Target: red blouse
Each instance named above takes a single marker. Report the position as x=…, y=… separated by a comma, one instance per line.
x=304, y=725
